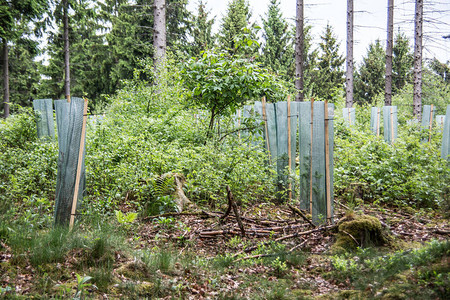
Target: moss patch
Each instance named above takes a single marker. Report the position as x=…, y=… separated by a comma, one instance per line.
x=133, y=270
x=360, y=231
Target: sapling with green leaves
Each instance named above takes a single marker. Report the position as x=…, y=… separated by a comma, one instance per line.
x=221, y=83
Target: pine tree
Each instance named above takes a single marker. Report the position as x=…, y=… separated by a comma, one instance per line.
x=369, y=79
x=235, y=29
x=277, y=49
x=330, y=75
x=402, y=63
x=201, y=31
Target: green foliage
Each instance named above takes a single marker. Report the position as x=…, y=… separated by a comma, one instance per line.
x=23, y=72
x=369, y=267
x=201, y=31
x=234, y=22
x=159, y=259
x=310, y=67
x=407, y=173
x=82, y=284
x=330, y=75
x=441, y=69
x=369, y=79
x=125, y=219
x=221, y=84
x=278, y=49
x=402, y=63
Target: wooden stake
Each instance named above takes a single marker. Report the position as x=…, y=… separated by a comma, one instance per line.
x=431, y=123
x=392, y=126
x=235, y=209
x=378, y=121
x=263, y=101
x=68, y=98
x=79, y=166
x=310, y=158
x=289, y=142
x=327, y=164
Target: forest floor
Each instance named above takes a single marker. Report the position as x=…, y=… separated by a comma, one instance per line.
x=203, y=255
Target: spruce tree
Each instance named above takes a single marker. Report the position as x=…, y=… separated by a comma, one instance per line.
x=201, y=31
x=23, y=71
x=310, y=68
x=330, y=75
x=90, y=61
x=369, y=79
x=278, y=48
x=235, y=30
x=178, y=23
x=402, y=63
x=441, y=69
x=18, y=20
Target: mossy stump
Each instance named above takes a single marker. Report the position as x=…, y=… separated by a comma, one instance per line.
x=360, y=231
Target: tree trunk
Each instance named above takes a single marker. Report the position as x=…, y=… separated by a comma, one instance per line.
x=159, y=31
x=417, y=97
x=299, y=39
x=389, y=45
x=5, y=80
x=66, y=51
x=349, y=74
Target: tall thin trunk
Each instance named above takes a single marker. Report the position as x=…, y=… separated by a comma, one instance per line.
x=349, y=74
x=389, y=45
x=299, y=40
x=159, y=32
x=5, y=80
x=66, y=51
x=417, y=97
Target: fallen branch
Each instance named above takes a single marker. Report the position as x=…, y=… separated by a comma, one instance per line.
x=344, y=206
x=256, y=256
x=351, y=236
x=235, y=209
x=260, y=221
x=304, y=233
x=175, y=214
x=298, y=246
x=440, y=231
x=299, y=212
x=297, y=234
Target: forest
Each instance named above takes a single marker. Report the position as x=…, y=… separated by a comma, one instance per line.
x=145, y=156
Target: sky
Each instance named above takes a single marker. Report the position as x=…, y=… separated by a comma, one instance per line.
x=370, y=21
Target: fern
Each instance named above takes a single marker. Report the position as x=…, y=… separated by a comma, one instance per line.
x=163, y=186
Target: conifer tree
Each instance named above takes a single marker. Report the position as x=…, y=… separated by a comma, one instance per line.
x=201, y=31
x=441, y=69
x=23, y=71
x=236, y=28
x=402, y=63
x=330, y=75
x=178, y=23
x=90, y=61
x=310, y=68
x=369, y=79
x=277, y=49
x=16, y=17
